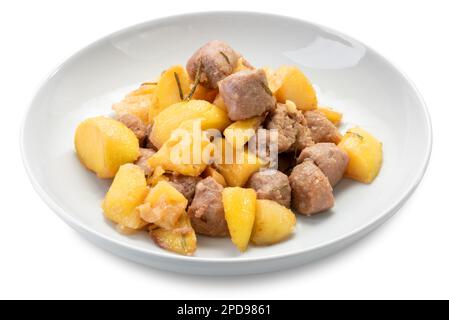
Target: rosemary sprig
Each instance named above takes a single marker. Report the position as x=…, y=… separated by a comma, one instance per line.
x=226, y=57
x=195, y=83
x=178, y=82
x=266, y=88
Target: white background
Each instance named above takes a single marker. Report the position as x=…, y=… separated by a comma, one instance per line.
x=41, y=257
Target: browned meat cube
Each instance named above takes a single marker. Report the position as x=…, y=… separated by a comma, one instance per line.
x=293, y=133
x=184, y=184
x=321, y=128
x=304, y=138
x=271, y=185
x=142, y=161
x=218, y=60
x=246, y=94
x=311, y=190
x=287, y=124
x=206, y=211
x=329, y=158
x=135, y=124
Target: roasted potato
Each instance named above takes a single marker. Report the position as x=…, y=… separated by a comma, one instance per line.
x=242, y=65
x=365, y=155
x=240, y=211
x=104, y=144
x=163, y=206
x=203, y=93
x=157, y=176
x=237, y=175
x=332, y=115
x=240, y=132
x=273, y=223
x=274, y=79
x=147, y=88
x=137, y=102
x=168, y=91
x=182, y=154
x=172, y=117
x=219, y=102
x=295, y=87
x=127, y=192
x=236, y=171
x=217, y=176
x=181, y=239
x=137, y=105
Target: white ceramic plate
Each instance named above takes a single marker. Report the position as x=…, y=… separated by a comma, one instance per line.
x=348, y=76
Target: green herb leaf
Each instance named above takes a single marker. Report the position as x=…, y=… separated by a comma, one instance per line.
x=181, y=94
x=148, y=83
x=266, y=88
x=226, y=57
x=196, y=82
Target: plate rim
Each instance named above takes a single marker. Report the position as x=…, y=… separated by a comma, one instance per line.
x=335, y=242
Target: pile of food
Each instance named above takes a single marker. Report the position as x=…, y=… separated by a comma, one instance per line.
x=254, y=200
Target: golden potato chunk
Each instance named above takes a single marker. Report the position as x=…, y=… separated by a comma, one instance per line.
x=104, y=144
x=236, y=175
x=146, y=88
x=172, y=117
x=240, y=211
x=163, y=206
x=295, y=87
x=365, y=155
x=242, y=65
x=203, y=93
x=183, y=153
x=127, y=191
x=171, y=88
x=219, y=102
x=135, y=104
x=181, y=239
x=240, y=132
x=332, y=115
x=157, y=176
x=273, y=223
x=235, y=166
x=214, y=174
x=274, y=79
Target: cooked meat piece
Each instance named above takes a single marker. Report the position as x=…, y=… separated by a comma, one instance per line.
x=218, y=61
x=293, y=134
x=271, y=185
x=184, y=184
x=304, y=138
x=135, y=124
x=311, y=190
x=287, y=124
x=142, y=161
x=321, y=128
x=246, y=94
x=206, y=211
x=329, y=158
